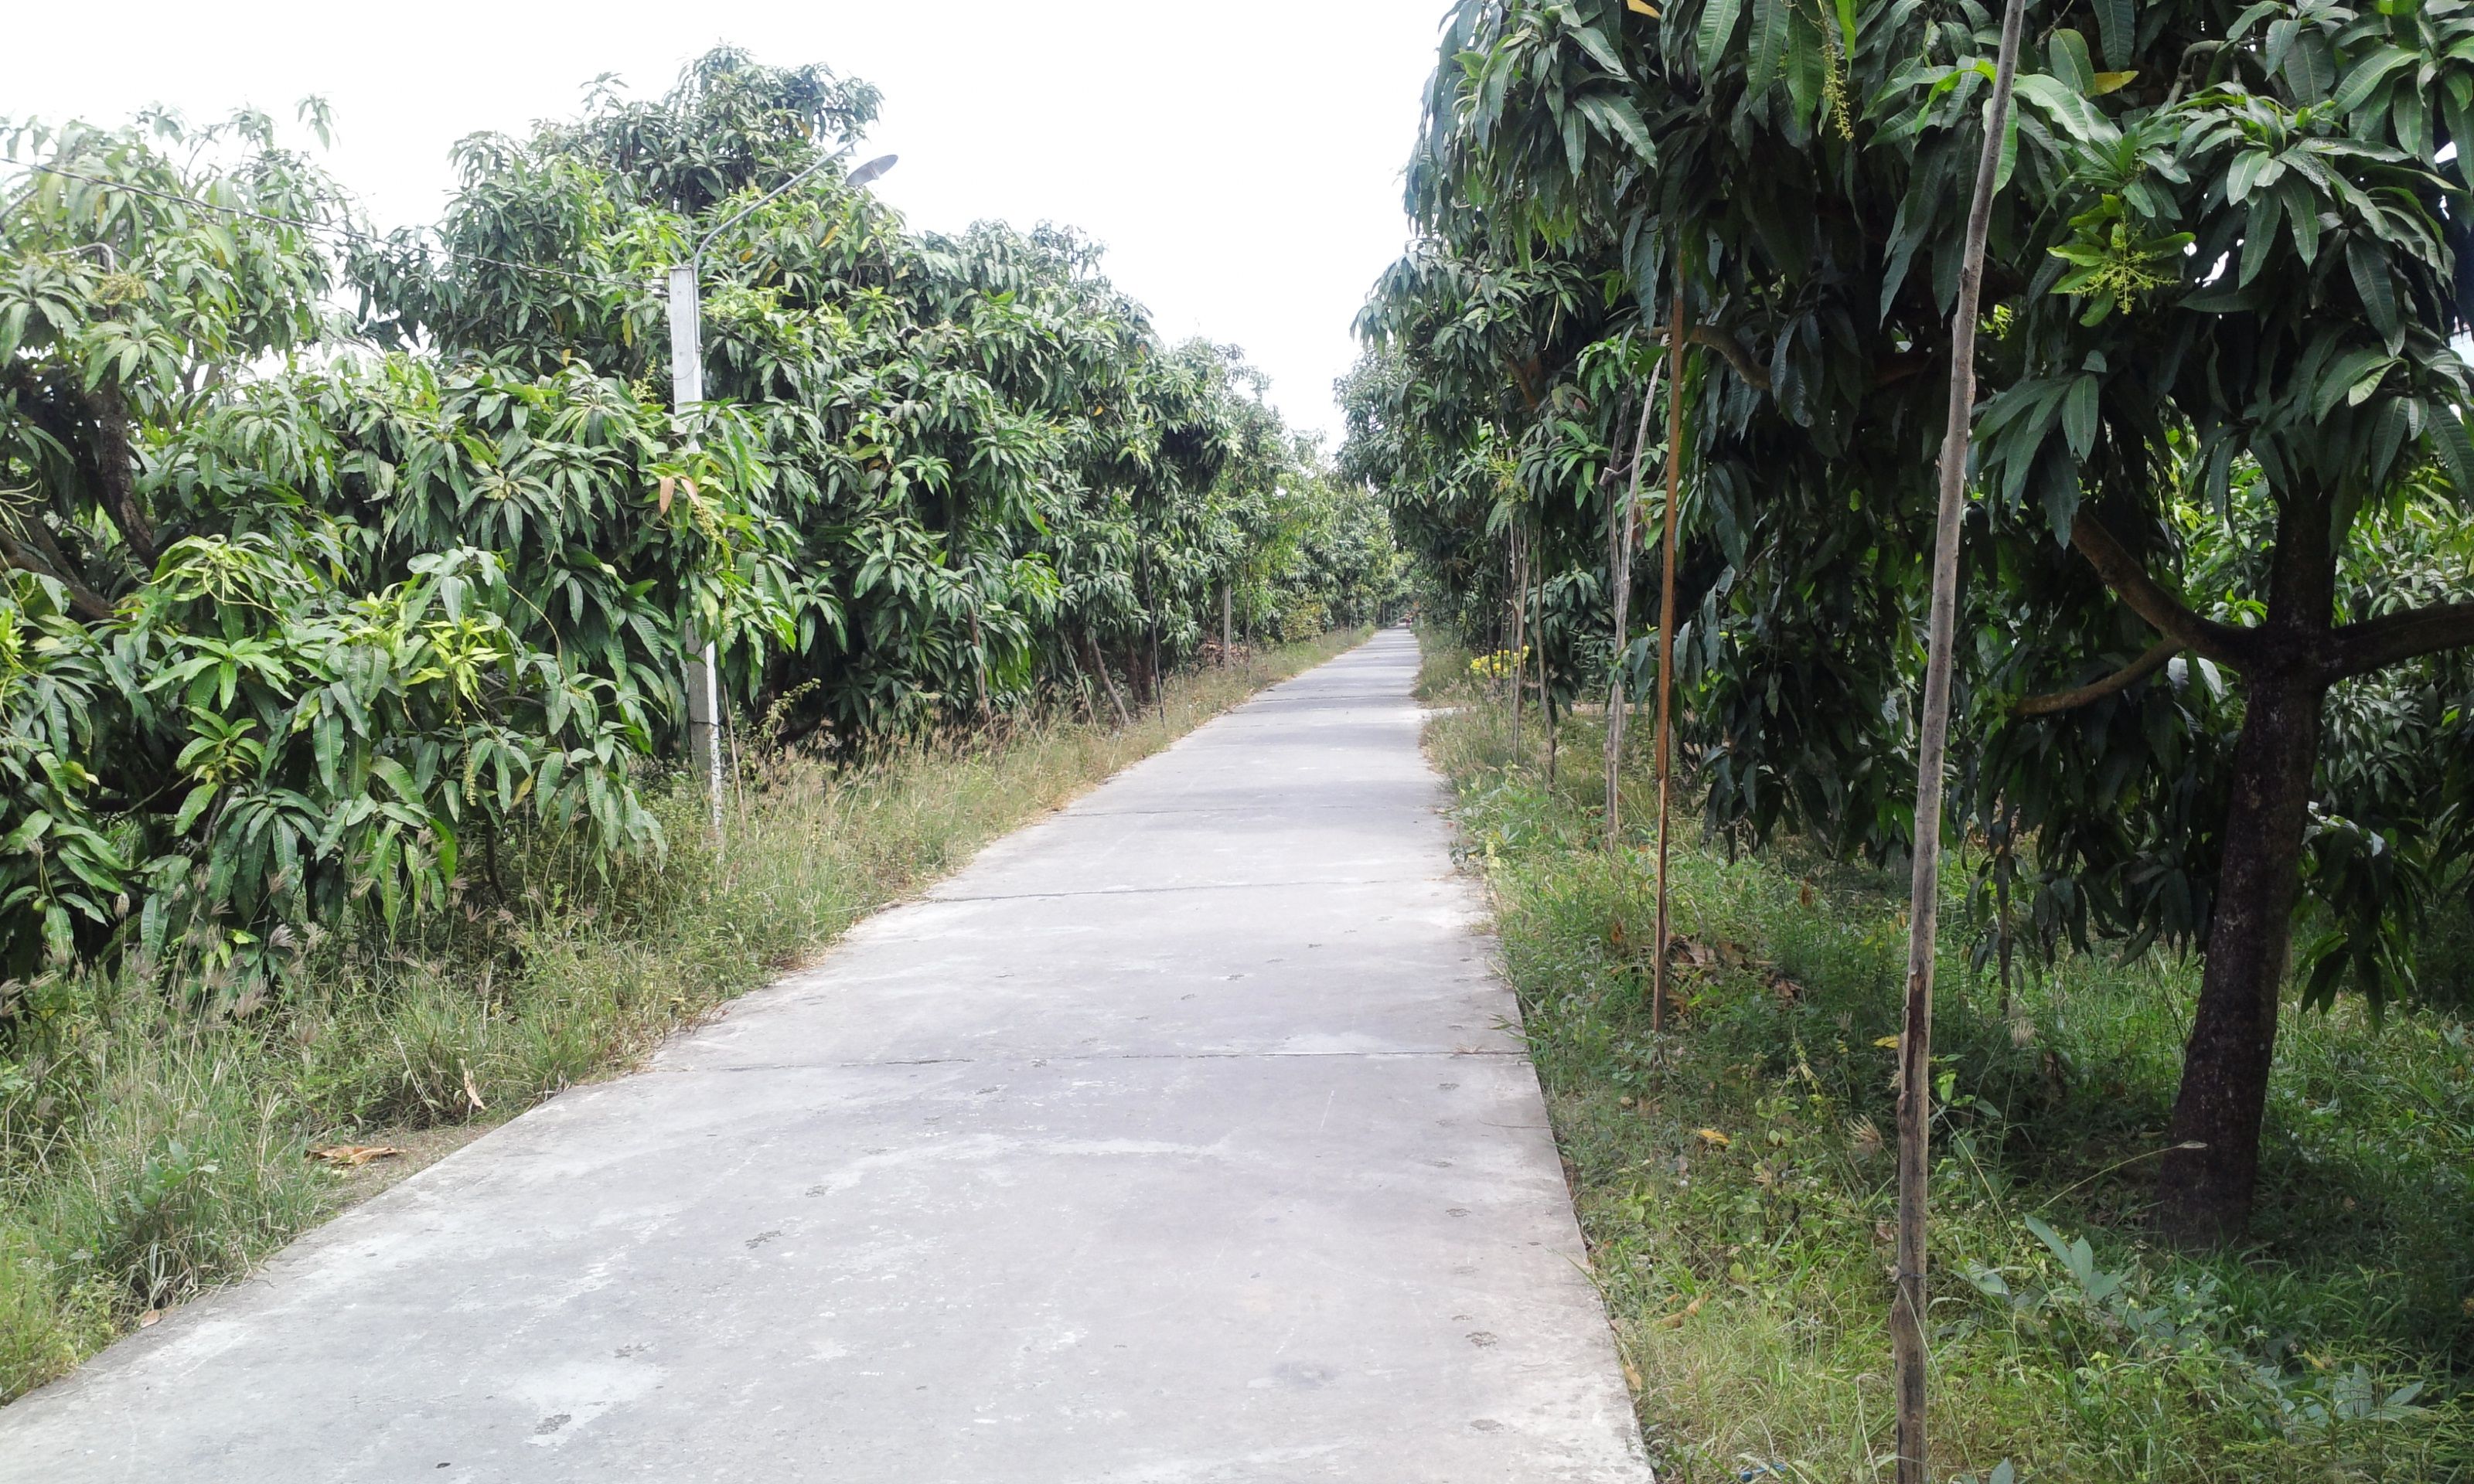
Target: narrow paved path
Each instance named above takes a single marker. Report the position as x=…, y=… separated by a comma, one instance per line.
x=1178, y=1140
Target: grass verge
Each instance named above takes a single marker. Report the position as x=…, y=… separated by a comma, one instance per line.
x=1735, y=1179
x=148, y=1153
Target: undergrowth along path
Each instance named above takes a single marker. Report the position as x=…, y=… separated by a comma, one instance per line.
x=1182, y=1137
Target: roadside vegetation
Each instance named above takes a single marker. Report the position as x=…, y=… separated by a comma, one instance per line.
x=354, y=588
x=2213, y=682
x=148, y=1151
x=1734, y=1183
x=333, y=563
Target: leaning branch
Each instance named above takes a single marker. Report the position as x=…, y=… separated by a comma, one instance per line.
x=2165, y=613
x=84, y=601
x=2123, y=679
x=1738, y=359
x=2367, y=646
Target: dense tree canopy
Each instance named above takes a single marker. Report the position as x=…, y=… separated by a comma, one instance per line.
x=329, y=558
x=2220, y=554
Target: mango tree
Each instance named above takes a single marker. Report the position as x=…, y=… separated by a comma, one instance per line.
x=2218, y=295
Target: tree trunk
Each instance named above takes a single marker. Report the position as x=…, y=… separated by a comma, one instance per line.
x=979, y=663
x=1224, y=627
x=2205, y=1193
x=1107, y=681
x=114, y=470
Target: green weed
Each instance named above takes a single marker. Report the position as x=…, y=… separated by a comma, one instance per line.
x=1733, y=1176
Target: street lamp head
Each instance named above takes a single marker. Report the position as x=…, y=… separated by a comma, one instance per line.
x=870, y=170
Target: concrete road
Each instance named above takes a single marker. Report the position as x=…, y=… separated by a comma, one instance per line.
x=1178, y=1140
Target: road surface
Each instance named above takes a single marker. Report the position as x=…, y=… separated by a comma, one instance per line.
x=1180, y=1138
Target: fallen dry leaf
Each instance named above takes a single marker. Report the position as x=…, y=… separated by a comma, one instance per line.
x=150, y=1318
x=354, y=1156
x=471, y=1093
x=1714, y=1140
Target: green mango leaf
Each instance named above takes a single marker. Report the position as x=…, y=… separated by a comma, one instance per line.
x=2365, y=76
x=1768, y=45
x=2080, y=416
x=1718, y=32
x=2067, y=55
x=2116, y=30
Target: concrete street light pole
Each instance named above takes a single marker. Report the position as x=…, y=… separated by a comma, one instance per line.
x=686, y=391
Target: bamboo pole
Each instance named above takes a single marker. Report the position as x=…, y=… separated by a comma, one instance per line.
x=1666, y=647
x=1908, y=1336
x=1619, y=569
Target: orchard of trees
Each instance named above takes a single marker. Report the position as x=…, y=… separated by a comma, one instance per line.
x=2215, y=685
x=328, y=560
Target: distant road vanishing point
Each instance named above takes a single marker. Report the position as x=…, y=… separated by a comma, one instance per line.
x=1181, y=1138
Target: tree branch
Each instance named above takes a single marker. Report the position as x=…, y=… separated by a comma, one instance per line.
x=1734, y=354
x=84, y=601
x=2123, y=679
x=2165, y=613
x=113, y=469
x=2367, y=646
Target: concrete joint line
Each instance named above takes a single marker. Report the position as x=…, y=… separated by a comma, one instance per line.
x=1019, y=1059
x=1210, y=886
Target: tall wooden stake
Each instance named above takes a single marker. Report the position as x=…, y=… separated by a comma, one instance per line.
x=1519, y=633
x=1625, y=533
x=1909, y=1335
x=1666, y=646
x=1545, y=702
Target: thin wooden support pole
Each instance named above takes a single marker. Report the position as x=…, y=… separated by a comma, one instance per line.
x=1517, y=654
x=1909, y=1347
x=1545, y=703
x=1620, y=569
x=1667, y=648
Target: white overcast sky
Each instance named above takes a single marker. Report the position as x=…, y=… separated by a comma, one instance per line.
x=1241, y=161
